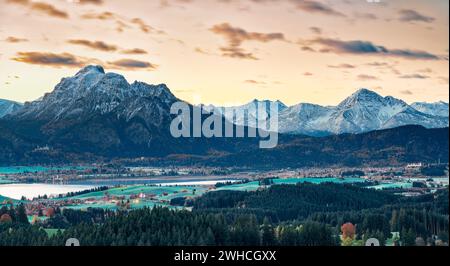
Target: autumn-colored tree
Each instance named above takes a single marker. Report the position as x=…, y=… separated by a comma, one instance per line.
x=347, y=242
x=5, y=218
x=50, y=212
x=348, y=231
x=35, y=220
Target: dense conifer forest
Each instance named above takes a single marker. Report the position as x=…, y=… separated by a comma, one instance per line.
x=302, y=214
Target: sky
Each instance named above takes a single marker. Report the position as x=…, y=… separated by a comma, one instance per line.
x=229, y=52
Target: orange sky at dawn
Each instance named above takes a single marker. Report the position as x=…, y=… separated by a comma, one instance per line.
x=228, y=52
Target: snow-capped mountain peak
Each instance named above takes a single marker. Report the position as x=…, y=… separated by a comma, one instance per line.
x=361, y=95
x=362, y=111
x=92, y=91
x=160, y=91
x=90, y=69
x=249, y=113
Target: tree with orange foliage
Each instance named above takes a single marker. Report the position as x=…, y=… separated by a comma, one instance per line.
x=348, y=231
x=35, y=220
x=50, y=212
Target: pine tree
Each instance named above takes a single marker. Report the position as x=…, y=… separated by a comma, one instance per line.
x=268, y=234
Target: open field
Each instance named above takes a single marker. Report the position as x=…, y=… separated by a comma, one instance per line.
x=136, y=196
x=139, y=196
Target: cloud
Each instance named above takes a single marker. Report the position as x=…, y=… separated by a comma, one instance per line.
x=307, y=49
x=345, y=66
x=201, y=51
x=48, y=10
x=309, y=6
x=236, y=36
x=97, y=45
x=102, y=46
x=414, y=76
x=255, y=82
x=131, y=64
x=236, y=52
x=315, y=30
x=134, y=51
x=316, y=7
x=378, y=64
x=121, y=25
x=359, y=47
x=409, y=15
x=406, y=92
x=73, y=61
x=365, y=77
x=122, y=22
x=50, y=59
x=167, y=3
x=385, y=65
x=95, y=2
x=425, y=70
x=18, y=2
x=443, y=80
x=100, y=16
x=142, y=25
x=41, y=7
x=366, y=16
x=12, y=39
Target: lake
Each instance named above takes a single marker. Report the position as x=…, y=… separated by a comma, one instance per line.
x=29, y=191
x=151, y=181
x=16, y=191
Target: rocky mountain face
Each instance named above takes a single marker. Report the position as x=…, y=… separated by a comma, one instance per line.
x=248, y=114
x=304, y=118
x=96, y=115
x=93, y=92
x=101, y=113
x=361, y=112
x=435, y=109
x=8, y=107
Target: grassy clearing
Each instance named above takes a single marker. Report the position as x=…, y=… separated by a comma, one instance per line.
x=51, y=232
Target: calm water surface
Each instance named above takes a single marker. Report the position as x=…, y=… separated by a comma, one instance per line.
x=29, y=191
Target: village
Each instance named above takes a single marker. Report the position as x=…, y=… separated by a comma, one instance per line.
x=127, y=188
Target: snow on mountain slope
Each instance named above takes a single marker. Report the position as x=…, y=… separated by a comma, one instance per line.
x=363, y=111
x=411, y=116
x=92, y=91
x=437, y=108
x=92, y=94
x=304, y=118
x=101, y=113
x=248, y=114
x=7, y=107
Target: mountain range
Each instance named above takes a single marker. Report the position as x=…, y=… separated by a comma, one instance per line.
x=99, y=114
x=96, y=115
x=363, y=111
x=92, y=91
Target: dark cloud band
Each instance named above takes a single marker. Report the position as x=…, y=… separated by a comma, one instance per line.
x=360, y=47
